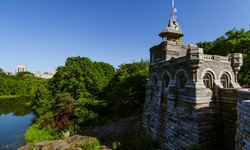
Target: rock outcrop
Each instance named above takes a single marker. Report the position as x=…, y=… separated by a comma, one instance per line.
x=75, y=142
x=130, y=127
x=125, y=128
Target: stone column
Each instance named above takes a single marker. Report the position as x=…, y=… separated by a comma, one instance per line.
x=236, y=62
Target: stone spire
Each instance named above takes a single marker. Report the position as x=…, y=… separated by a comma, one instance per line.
x=173, y=31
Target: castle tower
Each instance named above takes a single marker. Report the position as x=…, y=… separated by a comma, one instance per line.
x=173, y=31
x=183, y=106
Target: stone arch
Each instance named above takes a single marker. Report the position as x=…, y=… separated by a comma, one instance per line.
x=208, y=70
x=208, y=80
x=165, y=78
x=225, y=78
x=181, y=77
x=154, y=79
x=181, y=71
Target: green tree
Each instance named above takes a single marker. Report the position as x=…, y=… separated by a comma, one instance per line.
x=42, y=100
x=84, y=116
x=81, y=77
x=129, y=87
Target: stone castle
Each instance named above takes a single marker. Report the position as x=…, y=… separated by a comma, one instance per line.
x=193, y=99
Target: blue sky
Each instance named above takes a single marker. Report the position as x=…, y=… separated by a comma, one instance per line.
x=41, y=34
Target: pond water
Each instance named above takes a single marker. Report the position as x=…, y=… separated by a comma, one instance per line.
x=15, y=118
x=12, y=130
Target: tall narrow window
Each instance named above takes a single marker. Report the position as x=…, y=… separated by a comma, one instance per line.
x=208, y=80
x=154, y=80
x=165, y=81
x=182, y=80
x=225, y=81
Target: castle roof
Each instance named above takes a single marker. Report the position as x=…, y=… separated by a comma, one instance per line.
x=172, y=31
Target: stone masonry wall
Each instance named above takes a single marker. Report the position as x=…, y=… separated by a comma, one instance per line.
x=186, y=102
x=242, y=138
x=228, y=102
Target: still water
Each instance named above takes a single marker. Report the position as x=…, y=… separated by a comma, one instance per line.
x=15, y=118
x=12, y=130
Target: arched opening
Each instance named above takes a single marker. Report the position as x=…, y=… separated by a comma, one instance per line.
x=225, y=81
x=154, y=80
x=182, y=80
x=208, y=80
x=165, y=81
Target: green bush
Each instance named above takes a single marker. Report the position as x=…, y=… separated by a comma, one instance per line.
x=142, y=143
x=35, y=134
x=90, y=144
x=194, y=147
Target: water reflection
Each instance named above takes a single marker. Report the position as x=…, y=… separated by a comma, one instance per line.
x=15, y=117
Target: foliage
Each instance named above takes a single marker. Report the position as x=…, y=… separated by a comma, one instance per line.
x=36, y=134
x=15, y=104
x=84, y=116
x=81, y=77
x=23, y=83
x=89, y=144
x=234, y=41
x=141, y=143
x=129, y=87
x=8, y=96
x=42, y=102
x=194, y=147
x=65, y=116
x=116, y=144
x=82, y=94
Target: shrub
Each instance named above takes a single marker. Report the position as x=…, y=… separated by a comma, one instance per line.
x=35, y=134
x=89, y=144
x=141, y=143
x=194, y=147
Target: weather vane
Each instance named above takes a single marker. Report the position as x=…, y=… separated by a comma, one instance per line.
x=174, y=11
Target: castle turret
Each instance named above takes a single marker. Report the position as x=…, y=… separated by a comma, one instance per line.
x=173, y=31
x=172, y=47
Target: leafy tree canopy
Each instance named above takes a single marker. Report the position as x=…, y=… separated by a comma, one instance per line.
x=82, y=77
x=129, y=87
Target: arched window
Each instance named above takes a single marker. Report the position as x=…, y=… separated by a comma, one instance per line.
x=165, y=81
x=208, y=80
x=154, y=80
x=225, y=81
x=182, y=80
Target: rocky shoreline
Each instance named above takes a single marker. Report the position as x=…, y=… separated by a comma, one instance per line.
x=125, y=128
x=71, y=143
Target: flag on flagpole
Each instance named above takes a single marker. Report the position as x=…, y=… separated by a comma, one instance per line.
x=174, y=11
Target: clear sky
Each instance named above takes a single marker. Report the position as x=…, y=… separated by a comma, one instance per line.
x=41, y=34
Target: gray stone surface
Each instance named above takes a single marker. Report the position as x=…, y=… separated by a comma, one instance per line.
x=189, y=110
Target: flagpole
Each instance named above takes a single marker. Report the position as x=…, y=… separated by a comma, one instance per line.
x=172, y=3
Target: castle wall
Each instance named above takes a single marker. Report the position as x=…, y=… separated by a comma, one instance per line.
x=228, y=103
x=184, y=114
x=242, y=137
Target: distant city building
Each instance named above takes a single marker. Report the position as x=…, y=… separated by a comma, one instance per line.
x=46, y=75
x=6, y=72
x=21, y=68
